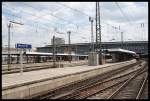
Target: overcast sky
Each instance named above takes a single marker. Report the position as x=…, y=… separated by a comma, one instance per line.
x=42, y=19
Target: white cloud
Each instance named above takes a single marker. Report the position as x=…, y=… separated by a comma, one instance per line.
x=110, y=13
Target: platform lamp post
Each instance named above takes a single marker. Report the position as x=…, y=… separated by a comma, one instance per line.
x=9, y=26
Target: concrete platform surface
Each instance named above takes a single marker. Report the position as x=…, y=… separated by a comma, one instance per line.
x=27, y=77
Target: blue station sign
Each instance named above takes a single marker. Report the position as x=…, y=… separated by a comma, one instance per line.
x=23, y=46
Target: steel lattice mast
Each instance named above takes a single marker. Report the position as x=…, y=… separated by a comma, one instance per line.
x=98, y=32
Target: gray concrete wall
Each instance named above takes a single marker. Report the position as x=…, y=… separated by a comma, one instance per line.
x=93, y=59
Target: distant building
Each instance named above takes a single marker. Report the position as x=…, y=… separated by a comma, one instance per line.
x=58, y=41
x=140, y=47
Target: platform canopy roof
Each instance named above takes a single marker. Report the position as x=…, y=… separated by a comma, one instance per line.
x=58, y=54
x=38, y=53
x=120, y=50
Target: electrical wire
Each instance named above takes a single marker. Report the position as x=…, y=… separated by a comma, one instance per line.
x=31, y=14
x=59, y=17
x=82, y=13
x=123, y=13
x=69, y=22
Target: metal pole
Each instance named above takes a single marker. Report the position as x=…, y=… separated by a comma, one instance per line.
x=21, y=61
x=100, y=46
x=76, y=54
x=98, y=32
x=92, y=38
x=69, y=48
x=54, y=50
x=122, y=39
x=96, y=26
x=9, y=25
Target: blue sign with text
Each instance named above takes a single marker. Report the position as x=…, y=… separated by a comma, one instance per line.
x=23, y=46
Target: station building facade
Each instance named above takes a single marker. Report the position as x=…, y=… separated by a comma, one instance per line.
x=140, y=47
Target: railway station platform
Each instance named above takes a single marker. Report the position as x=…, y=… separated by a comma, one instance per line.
x=18, y=86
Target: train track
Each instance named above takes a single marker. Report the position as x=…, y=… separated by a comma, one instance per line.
x=70, y=88
x=33, y=68
x=132, y=88
x=144, y=93
x=106, y=94
x=86, y=91
x=26, y=69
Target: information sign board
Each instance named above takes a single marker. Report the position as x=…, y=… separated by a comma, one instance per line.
x=23, y=46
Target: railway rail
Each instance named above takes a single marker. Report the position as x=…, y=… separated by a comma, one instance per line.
x=64, y=91
x=144, y=94
x=26, y=69
x=37, y=67
x=86, y=91
x=106, y=94
x=132, y=88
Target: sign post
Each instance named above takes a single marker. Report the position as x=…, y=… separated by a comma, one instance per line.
x=21, y=61
x=22, y=46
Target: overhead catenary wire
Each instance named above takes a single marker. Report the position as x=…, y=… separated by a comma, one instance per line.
x=73, y=9
x=31, y=14
x=35, y=25
x=125, y=16
x=59, y=17
x=69, y=22
x=123, y=13
x=26, y=23
x=83, y=13
x=32, y=25
x=37, y=17
x=128, y=18
x=46, y=28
